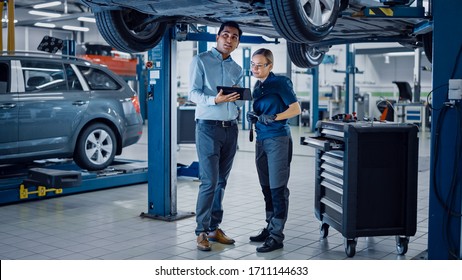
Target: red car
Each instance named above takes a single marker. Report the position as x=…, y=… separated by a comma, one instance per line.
x=121, y=63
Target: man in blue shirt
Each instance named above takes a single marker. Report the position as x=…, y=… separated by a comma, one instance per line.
x=216, y=129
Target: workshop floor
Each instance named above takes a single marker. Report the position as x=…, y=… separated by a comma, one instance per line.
x=106, y=224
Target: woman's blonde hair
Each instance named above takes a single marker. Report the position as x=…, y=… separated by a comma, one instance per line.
x=266, y=53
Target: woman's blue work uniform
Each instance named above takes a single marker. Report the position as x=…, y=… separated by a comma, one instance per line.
x=274, y=149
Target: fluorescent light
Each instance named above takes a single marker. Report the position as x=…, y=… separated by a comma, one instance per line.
x=395, y=54
x=44, y=14
x=47, y=4
x=76, y=28
x=387, y=59
x=87, y=19
x=44, y=24
x=6, y=20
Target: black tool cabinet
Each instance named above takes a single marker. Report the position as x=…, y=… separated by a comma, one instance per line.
x=366, y=180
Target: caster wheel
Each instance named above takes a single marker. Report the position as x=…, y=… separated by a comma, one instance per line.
x=324, y=230
x=350, y=247
x=402, y=244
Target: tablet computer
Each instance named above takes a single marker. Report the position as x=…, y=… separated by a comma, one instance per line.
x=244, y=93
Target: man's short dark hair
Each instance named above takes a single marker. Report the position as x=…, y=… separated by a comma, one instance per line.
x=230, y=24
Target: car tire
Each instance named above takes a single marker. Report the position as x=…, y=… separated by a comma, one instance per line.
x=303, y=24
x=96, y=147
x=121, y=29
x=304, y=55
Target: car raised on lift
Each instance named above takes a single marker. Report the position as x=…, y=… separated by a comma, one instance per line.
x=310, y=27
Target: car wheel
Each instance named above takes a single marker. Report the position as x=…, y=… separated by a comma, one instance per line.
x=304, y=55
x=96, y=147
x=129, y=30
x=303, y=20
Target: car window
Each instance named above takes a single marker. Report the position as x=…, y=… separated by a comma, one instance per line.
x=4, y=77
x=73, y=82
x=43, y=76
x=97, y=79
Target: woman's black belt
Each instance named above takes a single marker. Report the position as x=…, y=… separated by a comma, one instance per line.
x=218, y=123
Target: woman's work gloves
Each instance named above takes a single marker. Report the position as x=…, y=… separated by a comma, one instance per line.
x=252, y=117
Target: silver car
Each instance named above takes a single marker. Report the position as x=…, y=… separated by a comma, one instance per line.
x=310, y=27
x=56, y=107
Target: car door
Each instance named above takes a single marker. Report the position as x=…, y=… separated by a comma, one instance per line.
x=8, y=110
x=51, y=107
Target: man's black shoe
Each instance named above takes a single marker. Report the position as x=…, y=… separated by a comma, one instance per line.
x=270, y=245
x=264, y=233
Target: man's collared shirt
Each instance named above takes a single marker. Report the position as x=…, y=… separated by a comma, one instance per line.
x=208, y=70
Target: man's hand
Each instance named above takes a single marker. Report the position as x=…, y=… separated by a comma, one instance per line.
x=221, y=98
x=266, y=119
x=252, y=117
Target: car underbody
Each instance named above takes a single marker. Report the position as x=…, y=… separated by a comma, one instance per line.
x=310, y=27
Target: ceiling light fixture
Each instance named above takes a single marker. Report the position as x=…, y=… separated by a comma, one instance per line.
x=44, y=14
x=44, y=24
x=76, y=28
x=87, y=19
x=6, y=20
x=396, y=54
x=47, y=4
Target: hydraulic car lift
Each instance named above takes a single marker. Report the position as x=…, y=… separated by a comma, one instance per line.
x=20, y=183
x=444, y=221
x=51, y=179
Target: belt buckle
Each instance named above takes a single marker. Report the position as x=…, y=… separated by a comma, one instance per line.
x=223, y=124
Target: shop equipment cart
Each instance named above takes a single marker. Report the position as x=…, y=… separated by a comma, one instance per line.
x=366, y=180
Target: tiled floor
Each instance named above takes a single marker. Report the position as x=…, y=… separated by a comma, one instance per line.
x=106, y=224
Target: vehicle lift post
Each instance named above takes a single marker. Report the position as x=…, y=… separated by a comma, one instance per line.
x=1, y=29
x=314, y=104
x=10, y=29
x=162, y=133
x=444, y=224
x=246, y=56
x=350, y=80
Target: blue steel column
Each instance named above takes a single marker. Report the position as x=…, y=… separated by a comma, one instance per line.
x=202, y=45
x=162, y=165
x=246, y=68
x=141, y=73
x=314, y=102
x=350, y=79
x=446, y=166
